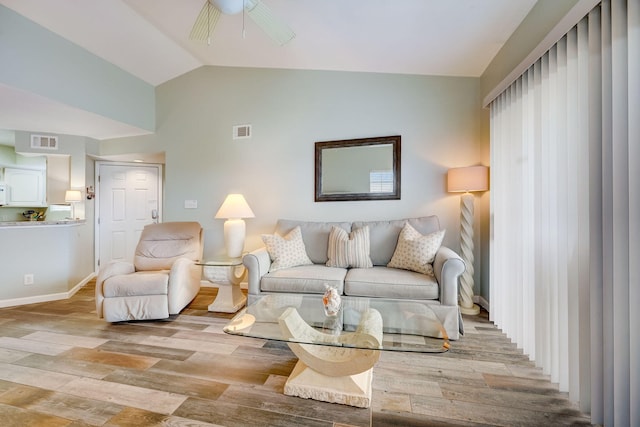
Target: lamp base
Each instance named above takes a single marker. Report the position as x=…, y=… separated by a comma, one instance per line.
x=466, y=245
x=472, y=311
x=234, y=234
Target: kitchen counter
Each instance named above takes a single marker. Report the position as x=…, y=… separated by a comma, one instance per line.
x=6, y=224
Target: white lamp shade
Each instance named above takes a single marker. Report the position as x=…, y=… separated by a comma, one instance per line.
x=235, y=206
x=467, y=179
x=72, y=196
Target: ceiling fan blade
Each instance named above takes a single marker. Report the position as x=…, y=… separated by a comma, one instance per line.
x=270, y=24
x=205, y=22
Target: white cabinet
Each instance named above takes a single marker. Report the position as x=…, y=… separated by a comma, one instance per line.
x=25, y=187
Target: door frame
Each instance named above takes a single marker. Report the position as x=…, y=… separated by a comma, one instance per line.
x=96, y=214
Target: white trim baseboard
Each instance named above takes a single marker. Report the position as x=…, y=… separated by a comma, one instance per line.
x=46, y=298
x=481, y=302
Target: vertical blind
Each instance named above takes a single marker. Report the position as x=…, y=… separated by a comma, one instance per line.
x=565, y=202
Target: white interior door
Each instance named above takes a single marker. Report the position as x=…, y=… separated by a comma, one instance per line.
x=129, y=198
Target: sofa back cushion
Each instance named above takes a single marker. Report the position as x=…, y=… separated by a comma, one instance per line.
x=287, y=251
x=315, y=236
x=383, y=235
x=349, y=249
x=416, y=251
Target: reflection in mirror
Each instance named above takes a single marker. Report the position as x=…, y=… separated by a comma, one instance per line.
x=358, y=169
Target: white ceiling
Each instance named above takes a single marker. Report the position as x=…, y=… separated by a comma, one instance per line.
x=149, y=39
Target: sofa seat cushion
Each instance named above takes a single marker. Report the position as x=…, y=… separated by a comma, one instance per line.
x=384, y=282
x=307, y=279
x=137, y=284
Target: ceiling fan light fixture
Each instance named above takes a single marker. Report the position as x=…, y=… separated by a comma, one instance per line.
x=229, y=7
x=263, y=17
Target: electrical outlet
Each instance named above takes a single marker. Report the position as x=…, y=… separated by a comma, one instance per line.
x=28, y=279
x=191, y=204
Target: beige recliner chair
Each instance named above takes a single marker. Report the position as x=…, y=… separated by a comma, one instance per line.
x=162, y=280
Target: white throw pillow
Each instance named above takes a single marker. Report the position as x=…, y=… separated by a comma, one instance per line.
x=287, y=251
x=349, y=250
x=416, y=252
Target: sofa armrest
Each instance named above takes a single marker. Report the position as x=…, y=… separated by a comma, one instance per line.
x=115, y=268
x=257, y=263
x=448, y=266
x=184, y=283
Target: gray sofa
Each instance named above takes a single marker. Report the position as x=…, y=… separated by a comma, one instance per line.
x=407, y=290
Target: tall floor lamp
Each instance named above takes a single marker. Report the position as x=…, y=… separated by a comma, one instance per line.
x=467, y=180
x=234, y=208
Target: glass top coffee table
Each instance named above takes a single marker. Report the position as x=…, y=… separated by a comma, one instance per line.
x=337, y=352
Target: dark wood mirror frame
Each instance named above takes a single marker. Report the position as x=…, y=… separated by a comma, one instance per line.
x=348, y=195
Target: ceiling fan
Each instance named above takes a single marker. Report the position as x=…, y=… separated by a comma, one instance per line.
x=257, y=11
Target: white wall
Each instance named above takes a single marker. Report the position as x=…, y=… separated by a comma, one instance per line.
x=439, y=119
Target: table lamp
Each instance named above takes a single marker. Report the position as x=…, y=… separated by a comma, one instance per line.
x=234, y=208
x=467, y=180
x=72, y=197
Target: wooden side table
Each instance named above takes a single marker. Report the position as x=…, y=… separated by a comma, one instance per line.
x=227, y=273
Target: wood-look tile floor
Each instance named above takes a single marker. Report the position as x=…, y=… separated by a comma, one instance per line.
x=62, y=366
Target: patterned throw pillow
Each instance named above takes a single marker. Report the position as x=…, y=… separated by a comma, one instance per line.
x=416, y=252
x=349, y=250
x=287, y=251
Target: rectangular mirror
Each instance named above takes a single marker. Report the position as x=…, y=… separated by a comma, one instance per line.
x=358, y=169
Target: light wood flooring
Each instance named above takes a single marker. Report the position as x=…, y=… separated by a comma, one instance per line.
x=62, y=366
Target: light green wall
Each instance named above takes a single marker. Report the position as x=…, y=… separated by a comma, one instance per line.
x=439, y=118
x=55, y=256
x=7, y=155
x=36, y=60
x=59, y=257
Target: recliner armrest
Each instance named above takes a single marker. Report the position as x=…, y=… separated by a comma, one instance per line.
x=257, y=263
x=184, y=269
x=448, y=267
x=184, y=282
x=111, y=269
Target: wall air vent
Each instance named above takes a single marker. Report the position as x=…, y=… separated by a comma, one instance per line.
x=242, y=132
x=46, y=142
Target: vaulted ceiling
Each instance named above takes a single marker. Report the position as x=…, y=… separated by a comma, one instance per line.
x=150, y=38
